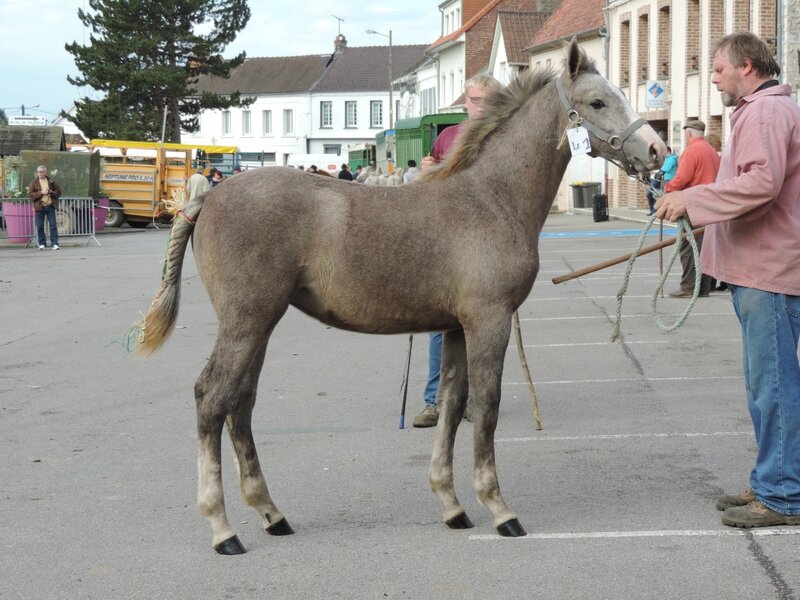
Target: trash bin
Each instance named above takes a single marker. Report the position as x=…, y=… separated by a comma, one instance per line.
x=582, y=193
x=589, y=189
x=577, y=195
x=600, y=207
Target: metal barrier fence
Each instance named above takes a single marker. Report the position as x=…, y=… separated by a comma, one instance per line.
x=75, y=217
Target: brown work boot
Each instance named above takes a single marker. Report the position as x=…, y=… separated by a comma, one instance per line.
x=428, y=417
x=731, y=500
x=756, y=514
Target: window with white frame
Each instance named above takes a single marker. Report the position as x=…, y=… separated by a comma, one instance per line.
x=326, y=114
x=226, y=122
x=376, y=113
x=266, y=122
x=246, y=123
x=332, y=149
x=288, y=121
x=396, y=112
x=350, y=113
x=428, y=101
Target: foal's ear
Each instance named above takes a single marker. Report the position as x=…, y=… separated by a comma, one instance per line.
x=575, y=58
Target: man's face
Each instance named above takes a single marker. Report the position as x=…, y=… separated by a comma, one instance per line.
x=41, y=172
x=475, y=97
x=728, y=79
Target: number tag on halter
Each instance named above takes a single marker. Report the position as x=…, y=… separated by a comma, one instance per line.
x=579, y=141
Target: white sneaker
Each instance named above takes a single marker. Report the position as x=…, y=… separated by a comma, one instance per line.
x=41, y=247
x=55, y=246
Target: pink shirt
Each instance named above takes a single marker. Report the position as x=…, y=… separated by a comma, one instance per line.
x=753, y=209
x=444, y=143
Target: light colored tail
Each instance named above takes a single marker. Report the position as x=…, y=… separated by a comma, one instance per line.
x=154, y=328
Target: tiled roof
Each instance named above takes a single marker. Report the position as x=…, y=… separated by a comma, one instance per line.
x=366, y=68
x=519, y=28
x=573, y=17
x=15, y=138
x=269, y=75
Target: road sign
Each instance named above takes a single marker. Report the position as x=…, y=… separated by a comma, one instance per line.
x=656, y=96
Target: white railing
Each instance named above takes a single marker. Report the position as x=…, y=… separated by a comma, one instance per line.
x=75, y=217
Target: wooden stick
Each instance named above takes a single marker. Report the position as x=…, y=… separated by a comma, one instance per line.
x=661, y=252
x=621, y=259
x=523, y=361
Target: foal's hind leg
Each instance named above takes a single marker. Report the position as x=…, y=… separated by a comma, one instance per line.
x=251, y=478
x=451, y=400
x=486, y=348
x=224, y=386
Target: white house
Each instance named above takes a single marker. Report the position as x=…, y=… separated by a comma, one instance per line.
x=315, y=104
x=350, y=102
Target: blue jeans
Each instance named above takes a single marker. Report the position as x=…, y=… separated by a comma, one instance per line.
x=770, y=333
x=434, y=367
x=50, y=212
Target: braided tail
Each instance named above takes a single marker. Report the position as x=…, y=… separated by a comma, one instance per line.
x=154, y=328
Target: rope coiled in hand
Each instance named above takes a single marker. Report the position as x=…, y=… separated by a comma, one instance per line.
x=684, y=230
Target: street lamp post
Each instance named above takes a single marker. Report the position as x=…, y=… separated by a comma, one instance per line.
x=391, y=96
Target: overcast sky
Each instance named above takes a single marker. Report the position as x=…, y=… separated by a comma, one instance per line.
x=34, y=64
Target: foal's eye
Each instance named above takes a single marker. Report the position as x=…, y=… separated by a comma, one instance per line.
x=597, y=104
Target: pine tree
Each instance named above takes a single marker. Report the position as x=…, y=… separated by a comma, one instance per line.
x=147, y=55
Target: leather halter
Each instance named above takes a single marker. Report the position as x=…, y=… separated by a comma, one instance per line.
x=616, y=141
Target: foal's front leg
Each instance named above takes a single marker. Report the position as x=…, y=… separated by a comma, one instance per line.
x=451, y=399
x=486, y=348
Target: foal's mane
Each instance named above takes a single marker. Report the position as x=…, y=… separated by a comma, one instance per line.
x=498, y=107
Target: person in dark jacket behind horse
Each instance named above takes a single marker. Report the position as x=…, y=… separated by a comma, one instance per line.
x=345, y=173
x=45, y=192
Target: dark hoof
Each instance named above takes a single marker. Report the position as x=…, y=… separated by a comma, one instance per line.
x=230, y=546
x=460, y=522
x=282, y=527
x=511, y=528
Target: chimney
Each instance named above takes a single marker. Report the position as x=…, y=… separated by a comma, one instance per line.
x=340, y=43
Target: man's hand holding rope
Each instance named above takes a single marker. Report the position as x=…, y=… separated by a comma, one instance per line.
x=671, y=206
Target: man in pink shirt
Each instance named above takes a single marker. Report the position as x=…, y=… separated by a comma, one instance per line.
x=698, y=165
x=752, y=213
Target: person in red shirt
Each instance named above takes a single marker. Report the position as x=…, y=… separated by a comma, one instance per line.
x=699, y=165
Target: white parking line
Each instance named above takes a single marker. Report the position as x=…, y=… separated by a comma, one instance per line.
x=622, y=436
x=569, y=535
x=623, y=380
x=628, y=343
x=634, y=316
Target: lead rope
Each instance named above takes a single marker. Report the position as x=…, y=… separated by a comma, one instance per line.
x=684, y=230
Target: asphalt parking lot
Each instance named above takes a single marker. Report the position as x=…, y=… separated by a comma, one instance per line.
x=98, y=480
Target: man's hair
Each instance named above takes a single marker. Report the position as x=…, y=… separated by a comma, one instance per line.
x=746, y=45
x=483, y=81
x=412, y=162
